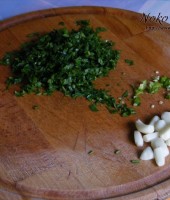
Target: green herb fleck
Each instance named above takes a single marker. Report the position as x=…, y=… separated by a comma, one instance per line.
x=135, y=161
x=153, y=87
x=35, y=107
x=125, y=94
x=136, y=101
x=141, y=88
x=32, y=35
x=167, y=96
x=90, y=152
x=93, y=107
x=117, y=151
x=61, y=23
x=129, y=62
x=165, y=81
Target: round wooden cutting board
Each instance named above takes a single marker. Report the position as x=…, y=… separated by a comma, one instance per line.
x=44, y=153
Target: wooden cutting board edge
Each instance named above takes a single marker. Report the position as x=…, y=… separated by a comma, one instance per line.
x=61, y=11
x=158, y=191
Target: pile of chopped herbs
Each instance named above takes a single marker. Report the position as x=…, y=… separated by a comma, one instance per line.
x=66, y=61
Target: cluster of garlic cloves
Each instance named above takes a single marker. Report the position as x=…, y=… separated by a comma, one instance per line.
x=157, y=134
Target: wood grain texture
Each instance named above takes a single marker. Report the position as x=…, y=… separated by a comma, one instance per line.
x=44, y=153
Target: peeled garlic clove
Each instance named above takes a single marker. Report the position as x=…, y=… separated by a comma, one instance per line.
x=157, y=142
x=166, y=117
x=166, y=150
x=159, y=156
x=138, y=139
x=147, y=154
x=160, y=124
x=144, y=128
x=168, y=142
x=149, y=137
x=154, y=120
x=165, y=133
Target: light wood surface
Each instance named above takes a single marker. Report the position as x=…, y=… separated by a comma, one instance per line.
x=44, y=153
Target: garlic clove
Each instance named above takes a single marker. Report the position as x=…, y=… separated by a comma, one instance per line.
x=165, y=132
x=168, y=142
x=151, y=136
x=159, y=156
x=144, y=128
x=160, y=124
x=157, y=142
x=147, y=154
x=138, y=139
x=154, y=120
x=166, y=150
x=166, y=117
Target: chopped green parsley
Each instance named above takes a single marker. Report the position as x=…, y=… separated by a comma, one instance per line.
x=68, y=61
